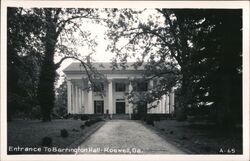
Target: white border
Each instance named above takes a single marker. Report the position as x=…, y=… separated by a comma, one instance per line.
x=127, y=4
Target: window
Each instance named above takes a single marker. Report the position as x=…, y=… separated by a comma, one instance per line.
x=142, y=86
x=98, y=87
x=120, y=87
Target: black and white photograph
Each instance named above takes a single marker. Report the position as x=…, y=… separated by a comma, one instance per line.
x=124, y=80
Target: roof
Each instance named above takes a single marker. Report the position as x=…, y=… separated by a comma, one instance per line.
x=100, y=66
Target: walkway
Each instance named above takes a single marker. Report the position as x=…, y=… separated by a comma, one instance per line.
x=126, y=137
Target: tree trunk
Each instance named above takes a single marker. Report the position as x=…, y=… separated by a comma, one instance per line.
x=184, y=97
x=46, y=91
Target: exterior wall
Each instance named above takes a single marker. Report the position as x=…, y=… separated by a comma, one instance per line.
x=116, y=95
x=80, y=98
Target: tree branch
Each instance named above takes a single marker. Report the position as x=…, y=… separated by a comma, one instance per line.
x=166, y=15
x=57, y=65
x=63, y=23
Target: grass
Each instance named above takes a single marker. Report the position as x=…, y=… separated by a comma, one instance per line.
x=29, y=133
x=200, y=138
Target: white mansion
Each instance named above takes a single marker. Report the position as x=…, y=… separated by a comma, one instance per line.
x=114, y=101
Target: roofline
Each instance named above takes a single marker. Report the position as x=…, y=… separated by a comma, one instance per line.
x=103, y=71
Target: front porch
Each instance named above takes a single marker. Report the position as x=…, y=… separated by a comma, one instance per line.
x=84, y=98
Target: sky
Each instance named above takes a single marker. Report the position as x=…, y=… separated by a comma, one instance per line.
x=100, y=54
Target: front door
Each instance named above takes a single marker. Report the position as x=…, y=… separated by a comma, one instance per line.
x=120, y=107
x=98, y=107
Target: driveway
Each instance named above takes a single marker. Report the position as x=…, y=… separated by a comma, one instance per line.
x=126, y=137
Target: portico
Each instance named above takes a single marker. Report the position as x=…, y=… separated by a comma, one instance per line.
x=113, y=100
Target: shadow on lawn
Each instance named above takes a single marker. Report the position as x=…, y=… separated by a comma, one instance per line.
x=200, y=137
x=36, y=137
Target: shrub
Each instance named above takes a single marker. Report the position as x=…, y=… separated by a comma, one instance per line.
x=67, y=116
x=135, y=117
x=82, y=126
x=75, y=130
x=181, y=115
x=98, y=119
x=155, y=117
x=150, y=122
x=64, y=133
x=47, y=141
x=75, y=117
x=191, y=119
x=92, y=121
x=149, y=119
x=183, y=138
x=84, y=117
x=88, y=123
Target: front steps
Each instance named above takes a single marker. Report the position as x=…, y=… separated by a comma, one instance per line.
x=120, y=117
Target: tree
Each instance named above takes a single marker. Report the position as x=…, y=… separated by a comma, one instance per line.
x=23, y=62
x=215, y=62
x=197, y=42
x=54, y=25
x=61, y=100
x=56, y=28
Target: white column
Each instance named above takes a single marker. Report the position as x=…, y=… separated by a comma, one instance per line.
x=164, y=103
x=90, y=101
x=159, y=107
x=130, y=109
x=73, y=99
x=69, y=96
x=76, y=100
x=167, y=104
x=83, y=103
x=80, y=101
x=110, y=97
x=151, y=86
x=172, y=101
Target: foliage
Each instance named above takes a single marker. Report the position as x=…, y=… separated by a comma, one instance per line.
x=47, y=141
x=197, y=50
x=82, y=127
x=61, y=100
x=64, y=133
x=201, y=47
x=84, y=117
x=88, y=123
x=50, y=31
x=23, y=62
x=150, y=122
x=92, y=121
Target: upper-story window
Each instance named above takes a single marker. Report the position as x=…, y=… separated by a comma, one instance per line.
x=141, y=86
x=120, y=87
x=98, y=87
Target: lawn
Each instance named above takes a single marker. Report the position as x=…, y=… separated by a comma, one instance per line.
x=200, y=138
x=29, y=133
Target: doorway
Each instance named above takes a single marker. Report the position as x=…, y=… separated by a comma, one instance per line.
x=120, y=107
x=98, y=107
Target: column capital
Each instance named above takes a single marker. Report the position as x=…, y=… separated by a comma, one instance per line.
x=89, y=86
x=110, y=80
